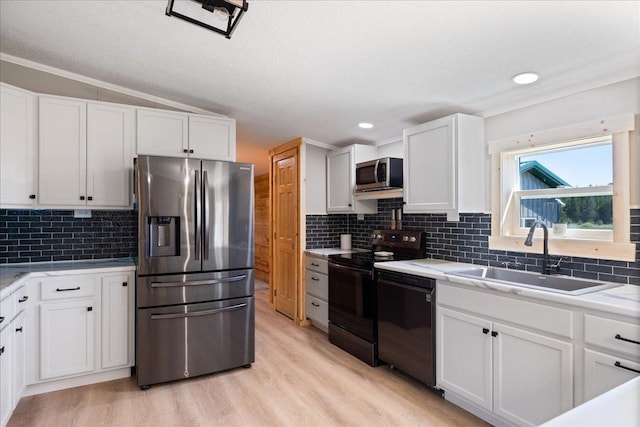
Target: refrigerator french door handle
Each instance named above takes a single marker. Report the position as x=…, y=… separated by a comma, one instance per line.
x=197, y=207
x=198, y=282
x=205, y=214
x=198, y=313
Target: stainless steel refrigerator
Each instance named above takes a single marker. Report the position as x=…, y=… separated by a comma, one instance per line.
x=195, y=282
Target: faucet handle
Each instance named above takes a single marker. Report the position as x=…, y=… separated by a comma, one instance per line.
x=511, y=261
x=556, y=266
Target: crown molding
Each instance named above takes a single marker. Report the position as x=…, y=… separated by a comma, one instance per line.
x=104, y=85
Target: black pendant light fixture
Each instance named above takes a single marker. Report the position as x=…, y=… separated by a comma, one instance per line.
x=221, y=16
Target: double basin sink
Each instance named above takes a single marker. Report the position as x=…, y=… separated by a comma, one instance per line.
x=559, y=284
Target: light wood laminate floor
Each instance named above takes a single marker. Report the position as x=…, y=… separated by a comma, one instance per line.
x=298, y=379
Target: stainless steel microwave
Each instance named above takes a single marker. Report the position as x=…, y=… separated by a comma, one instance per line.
x=380, y=174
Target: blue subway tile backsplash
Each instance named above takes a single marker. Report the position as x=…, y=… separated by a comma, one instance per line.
x=55, y=235
x=466, y=241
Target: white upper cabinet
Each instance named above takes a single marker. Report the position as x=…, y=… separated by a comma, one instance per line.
x=175, y=134
x=444, y=166
x=341, y=179
x=85, y=153
x=212, y=138
x=62, y=156
x=17, y=147
x=109, y=154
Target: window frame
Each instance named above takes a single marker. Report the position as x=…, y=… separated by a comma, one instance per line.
x=506, y=234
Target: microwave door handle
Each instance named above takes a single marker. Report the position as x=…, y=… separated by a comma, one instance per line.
x=375, y=171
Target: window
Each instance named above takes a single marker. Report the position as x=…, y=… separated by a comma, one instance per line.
x=573, y=179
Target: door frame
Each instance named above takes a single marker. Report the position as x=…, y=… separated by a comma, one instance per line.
x=274, y=156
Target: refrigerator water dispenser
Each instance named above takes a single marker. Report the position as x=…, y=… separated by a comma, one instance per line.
x=164, y=236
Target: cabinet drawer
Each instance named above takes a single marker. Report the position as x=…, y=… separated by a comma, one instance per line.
x=7, y=310
x=317, y=311
x=603, y=372
x=317, y=284
x=611, y=335
x=67, y=287
x=316, y=264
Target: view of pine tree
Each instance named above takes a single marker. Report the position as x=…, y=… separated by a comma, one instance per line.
x=585, y=211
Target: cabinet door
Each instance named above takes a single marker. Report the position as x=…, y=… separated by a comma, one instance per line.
x=340, y=181
x=109, y=159
x=430, y=173
x=533, y=376
x=463, y=362
x=17, y=147
x=115, y=320
x=20, y=353
x=6, y=374
x=162, y=133
x=602, y=372
x=66, y=338
x=62, y=152
x=212, y=138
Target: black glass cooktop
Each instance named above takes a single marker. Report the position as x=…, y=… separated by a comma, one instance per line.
x=367, y=259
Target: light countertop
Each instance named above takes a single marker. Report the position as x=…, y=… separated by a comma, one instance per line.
x=13, y=275
x=623, y=300
x=616, y=407
x=325, y=252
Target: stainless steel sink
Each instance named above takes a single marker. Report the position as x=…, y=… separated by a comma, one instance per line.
x=560, y=284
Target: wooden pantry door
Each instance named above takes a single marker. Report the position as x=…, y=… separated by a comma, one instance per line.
x=285, y=231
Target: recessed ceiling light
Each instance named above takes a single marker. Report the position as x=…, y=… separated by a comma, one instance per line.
x=364, y=125
x=525, y=78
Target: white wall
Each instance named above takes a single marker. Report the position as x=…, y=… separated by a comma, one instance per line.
x=391, y=149
x=316, y=180
x=606, y=101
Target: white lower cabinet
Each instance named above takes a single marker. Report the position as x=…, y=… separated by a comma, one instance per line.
x=611, y=354
x=20, y=329
x=317, y=292
x=117, y=322
x=66, y=338
x=6, y=374
x=515, y=375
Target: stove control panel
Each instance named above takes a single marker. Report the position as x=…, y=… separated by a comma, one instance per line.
x=397, y=239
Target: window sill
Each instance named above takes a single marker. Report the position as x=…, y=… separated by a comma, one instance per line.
x=568, y=247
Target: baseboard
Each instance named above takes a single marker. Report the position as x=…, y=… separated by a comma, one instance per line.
x=55, y=385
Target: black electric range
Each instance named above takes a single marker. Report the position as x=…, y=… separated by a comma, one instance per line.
x=352, y=290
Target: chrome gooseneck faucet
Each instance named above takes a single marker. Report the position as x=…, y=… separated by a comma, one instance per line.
x=546, y=267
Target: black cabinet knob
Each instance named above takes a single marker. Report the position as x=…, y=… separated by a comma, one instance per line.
x=90, y=198
x=494, y=334
x=191, y=151
x=485, y=330
x=81, y=197
x=89, y=308
x=32, y=196
x=185, y=151
x=124, y=283
x=19, y=329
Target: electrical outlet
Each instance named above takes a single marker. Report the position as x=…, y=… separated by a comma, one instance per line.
x=360, y=217
x=82, y=213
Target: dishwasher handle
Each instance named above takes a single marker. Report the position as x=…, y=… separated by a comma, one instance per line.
x=427, y=291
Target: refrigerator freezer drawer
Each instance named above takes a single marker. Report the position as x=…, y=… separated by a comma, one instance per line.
x=184, y=341
x=154, y=291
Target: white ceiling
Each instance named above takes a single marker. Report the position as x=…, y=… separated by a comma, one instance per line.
x=317, y=68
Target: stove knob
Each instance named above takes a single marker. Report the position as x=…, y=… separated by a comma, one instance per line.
x=405, y=238
x=379, y=236
x=412, y=239
x=373, y=236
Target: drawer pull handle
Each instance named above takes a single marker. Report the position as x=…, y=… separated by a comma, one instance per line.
x=23, y=299
x=315, y=265
x=1, y=350
x=315, y=304
x=1, y=319
x=620, y=365
x=19, y=329
x=315, y=279
x=68, y=289
x=618, y=337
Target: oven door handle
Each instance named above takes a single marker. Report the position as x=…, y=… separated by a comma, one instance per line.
x=197, y=282
x=351, y=269
x=375, y=171
x=198, y=313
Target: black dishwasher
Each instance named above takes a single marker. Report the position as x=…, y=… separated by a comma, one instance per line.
x=406, y=324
